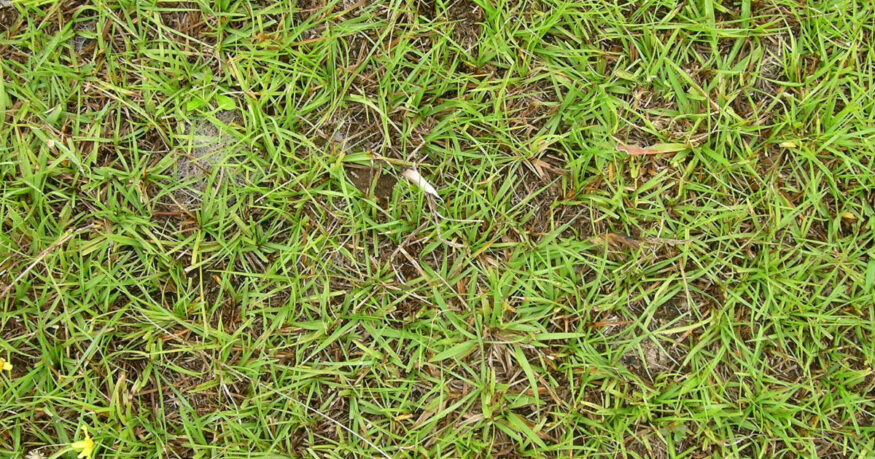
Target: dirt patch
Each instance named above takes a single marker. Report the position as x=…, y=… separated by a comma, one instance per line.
x=466, y=16
x=651, y=112
x=406, y=259
x=645, y=444
x=304, y=9
x=374, y=182
x=9, y=15
x=357, y=128
x=650, y=358
x=188, y=20
x=771, y=66
x=530, y=107
x=538, y=186
x=17, y=332
x=462, y=16
x=763, y=83
x=192, y=383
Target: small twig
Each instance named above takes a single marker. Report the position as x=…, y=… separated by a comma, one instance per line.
x=42, y=255
x=397, y=162
x=433, y=204
x=409, y=239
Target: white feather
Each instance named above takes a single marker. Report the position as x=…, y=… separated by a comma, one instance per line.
x=412, y=176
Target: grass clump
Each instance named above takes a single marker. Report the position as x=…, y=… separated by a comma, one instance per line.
x=207, y=248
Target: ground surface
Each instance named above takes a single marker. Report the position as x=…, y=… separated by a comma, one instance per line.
x=207, y=248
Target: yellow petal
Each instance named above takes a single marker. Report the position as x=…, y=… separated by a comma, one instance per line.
x=86, y=453
x=4, y=365
x=87, y=449
x=86, y=445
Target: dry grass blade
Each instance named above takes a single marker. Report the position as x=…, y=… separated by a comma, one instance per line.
x=617, y=241
x=657, y=149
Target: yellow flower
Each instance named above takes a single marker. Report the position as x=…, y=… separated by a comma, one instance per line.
x=4, y=365
x=86, y=446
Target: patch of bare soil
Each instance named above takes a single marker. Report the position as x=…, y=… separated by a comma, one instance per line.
x=374, y=182
x=652, y=357
x=646, y=444
x=466, y=16
x=539, y=187
x=305, y=9
x=357, y=128
x=463, y=16
x=191, y=25
x=9, y=15
x=531, y=106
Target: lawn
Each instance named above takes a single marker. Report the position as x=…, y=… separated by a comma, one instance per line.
x=652, y=235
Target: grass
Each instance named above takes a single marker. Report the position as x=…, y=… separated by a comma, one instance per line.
x=207, y=248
